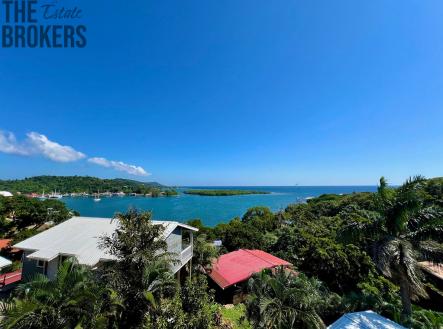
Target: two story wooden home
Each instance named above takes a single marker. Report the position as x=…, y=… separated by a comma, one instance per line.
x=80, y=237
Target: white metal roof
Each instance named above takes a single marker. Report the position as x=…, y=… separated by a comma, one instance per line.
x=44, y=254
x=4, y=262
x=80, y=237
x=364, y=320
x=5, y=193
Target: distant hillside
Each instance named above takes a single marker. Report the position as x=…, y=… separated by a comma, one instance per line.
x=71, y=184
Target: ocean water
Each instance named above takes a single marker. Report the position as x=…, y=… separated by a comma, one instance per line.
x=210, y=209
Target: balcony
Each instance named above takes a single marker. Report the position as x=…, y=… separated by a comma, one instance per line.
x=184, y=257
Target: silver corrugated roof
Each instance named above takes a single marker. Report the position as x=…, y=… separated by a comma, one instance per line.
x=4, y=262
x=80, y=237
x=44, y=254
x=364, y=320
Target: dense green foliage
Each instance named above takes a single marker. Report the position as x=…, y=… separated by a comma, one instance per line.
x=222, y=192
x=311, y=236
x=72, y=184
x=285, y=300
x=235, y=315
x=27, y=211
x=170, y=192
x=408, y=229
x=73, y=300
x=191, y=308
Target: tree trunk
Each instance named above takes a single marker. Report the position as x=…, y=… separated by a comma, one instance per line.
x=405, y=295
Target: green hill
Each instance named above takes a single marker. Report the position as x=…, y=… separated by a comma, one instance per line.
x=71, y=184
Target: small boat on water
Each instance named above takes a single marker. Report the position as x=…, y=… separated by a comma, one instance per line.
x=42, y=196
x=97, y=197
x=55, y=195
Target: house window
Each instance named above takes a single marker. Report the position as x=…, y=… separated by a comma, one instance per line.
x=41, y=263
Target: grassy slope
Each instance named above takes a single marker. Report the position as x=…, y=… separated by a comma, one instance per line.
x=235, y=316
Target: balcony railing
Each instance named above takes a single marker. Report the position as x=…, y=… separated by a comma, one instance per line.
x=184, y=257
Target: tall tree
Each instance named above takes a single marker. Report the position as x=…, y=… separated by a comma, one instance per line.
x=204, y=253
x=407, y=230
x=140, y=272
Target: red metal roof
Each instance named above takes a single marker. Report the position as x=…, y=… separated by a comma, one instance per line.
x=240, y=265
x=10, y=277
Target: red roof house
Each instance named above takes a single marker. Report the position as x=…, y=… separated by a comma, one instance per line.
x=240, y=265
x=6, y=244
x=10, y=278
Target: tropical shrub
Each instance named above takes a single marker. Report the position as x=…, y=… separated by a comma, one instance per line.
x=73, y=299
x=284, y=299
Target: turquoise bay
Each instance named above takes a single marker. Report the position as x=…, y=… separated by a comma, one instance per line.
x=210, y=209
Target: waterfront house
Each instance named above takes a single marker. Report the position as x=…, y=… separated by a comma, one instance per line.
x=79, y=237
x=230, y=271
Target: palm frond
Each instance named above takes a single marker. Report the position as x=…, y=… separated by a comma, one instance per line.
x=431, y=251
x=386, y=255
x=424, y=217
x=433, y=231
x=359, y=231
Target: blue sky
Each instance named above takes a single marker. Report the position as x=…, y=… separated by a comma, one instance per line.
x=234, y=92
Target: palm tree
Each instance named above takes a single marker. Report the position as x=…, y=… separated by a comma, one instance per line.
x=407, y=230
x=72, y=298
x=158, y=282
x=285, y=300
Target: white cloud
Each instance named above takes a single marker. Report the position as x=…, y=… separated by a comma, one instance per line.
x=38, y=144
x=9, y=144
x=120, y=166
x=53, y=150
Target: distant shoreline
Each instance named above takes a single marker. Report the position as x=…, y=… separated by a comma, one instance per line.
x=223, y=192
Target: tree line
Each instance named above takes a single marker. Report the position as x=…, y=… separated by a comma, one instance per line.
x=77, y=184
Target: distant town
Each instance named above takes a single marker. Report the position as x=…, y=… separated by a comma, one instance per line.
x=57, y=187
